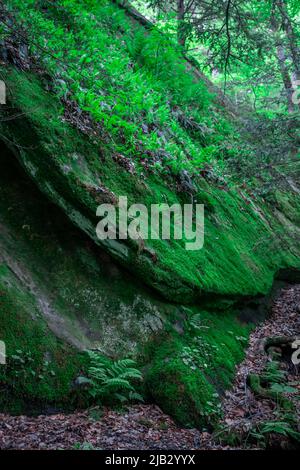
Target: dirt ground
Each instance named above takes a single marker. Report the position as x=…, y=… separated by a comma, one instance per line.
x=147, y=427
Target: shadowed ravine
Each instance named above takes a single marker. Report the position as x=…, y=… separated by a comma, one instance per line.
x=104, y=333
x=146, y=427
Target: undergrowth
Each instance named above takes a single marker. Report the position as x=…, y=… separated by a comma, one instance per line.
x=134, y=84
x=112, y=381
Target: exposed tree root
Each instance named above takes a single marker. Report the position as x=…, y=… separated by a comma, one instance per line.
x=254, y=383
x=277, y=342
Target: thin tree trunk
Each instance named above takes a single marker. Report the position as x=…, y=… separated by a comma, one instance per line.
x=291, y=37
x=281, y=58
x=288, y=85
x=181, y=34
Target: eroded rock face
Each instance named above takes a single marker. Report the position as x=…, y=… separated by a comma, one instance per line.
x=64, y=290
x=80, y=292
x=242, y=250
x=60, y=294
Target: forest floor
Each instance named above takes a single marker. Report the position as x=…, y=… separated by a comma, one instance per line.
x=147, y=427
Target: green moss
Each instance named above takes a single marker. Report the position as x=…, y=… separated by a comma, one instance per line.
x=245, y=241
x=69, y=166
x=191, y=370
x=40, y=368
x=87, y=299
x=58, y=296
x=93, y=301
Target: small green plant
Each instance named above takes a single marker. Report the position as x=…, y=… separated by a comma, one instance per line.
x=113, y=381
x=276, y=427
x=84, y=446
x=197, y=322
x=96, y=413
x=273, y=374
x=279, y=388
x=22, y=365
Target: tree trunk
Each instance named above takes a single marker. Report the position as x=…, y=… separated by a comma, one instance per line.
x=288, y=85
x=281, y=57
x=291, y=37
x=181, y=34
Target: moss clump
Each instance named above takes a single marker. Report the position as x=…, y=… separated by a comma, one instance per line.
x=179, y=391
x=40, y=368
x=70, y=170
x=137, y=107
x=190, y=370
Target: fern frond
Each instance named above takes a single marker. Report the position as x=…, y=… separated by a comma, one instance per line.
x=113, y=379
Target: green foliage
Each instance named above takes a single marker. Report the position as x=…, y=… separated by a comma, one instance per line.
x=281, y=428
x=273, y=374
x=140, y=84
x=237, y=47
x=85, y=446
x=40, y=368
x=20, y=366
x=275, y=377
x=279, y=388
x=190, y=371
x=113, y=381
x=196, y=322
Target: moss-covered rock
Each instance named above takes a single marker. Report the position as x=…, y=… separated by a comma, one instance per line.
x=190, y=370
x=40, y=368
x=246, y=241
x=91, y=115
x=58, y=296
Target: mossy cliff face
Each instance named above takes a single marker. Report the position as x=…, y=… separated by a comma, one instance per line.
x=59, y=294
x=62, y=289
x=246, y=241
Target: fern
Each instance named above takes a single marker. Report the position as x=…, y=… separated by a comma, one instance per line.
x=273, y=374
x=197, y=322
x=280, y=427
x=113, y=380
